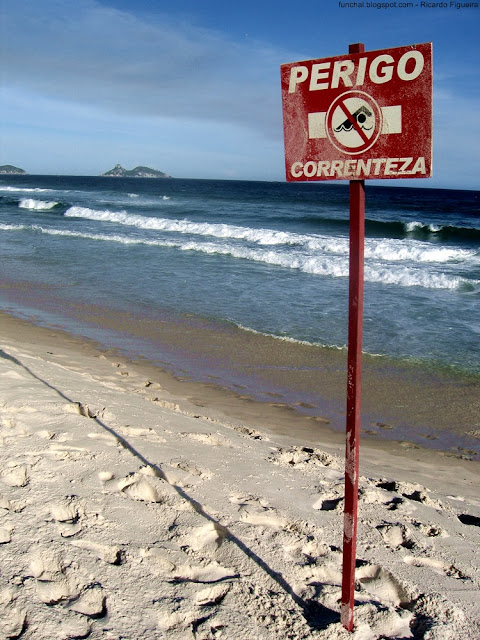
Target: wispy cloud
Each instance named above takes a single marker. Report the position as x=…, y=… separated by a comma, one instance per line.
x=84, y=52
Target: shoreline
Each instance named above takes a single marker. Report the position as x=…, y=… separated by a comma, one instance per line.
x=303, y=385
x=302, y=423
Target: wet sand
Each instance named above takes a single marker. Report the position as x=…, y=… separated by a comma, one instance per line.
x=294, y=388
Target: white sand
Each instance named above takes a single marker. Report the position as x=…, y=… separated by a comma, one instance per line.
x=124, y=515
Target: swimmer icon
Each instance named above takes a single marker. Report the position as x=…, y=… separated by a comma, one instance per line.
x=362, y=116
x=353, y=122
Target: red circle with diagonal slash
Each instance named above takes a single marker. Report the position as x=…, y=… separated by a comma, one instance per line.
x=363, y=138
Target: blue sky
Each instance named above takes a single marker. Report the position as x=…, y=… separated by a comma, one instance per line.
x=192, y=87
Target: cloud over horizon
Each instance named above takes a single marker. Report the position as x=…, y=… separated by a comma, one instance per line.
x=87, y=53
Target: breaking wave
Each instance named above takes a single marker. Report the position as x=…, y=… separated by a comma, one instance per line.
x=335, y=266
x=31, y=203
x=390, y=249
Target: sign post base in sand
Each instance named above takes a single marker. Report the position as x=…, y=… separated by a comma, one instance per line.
x=365, y=115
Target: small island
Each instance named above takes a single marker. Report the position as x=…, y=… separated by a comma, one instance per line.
x=10, y=170
x=139, y=172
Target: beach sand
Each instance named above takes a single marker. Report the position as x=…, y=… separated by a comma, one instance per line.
x=135, y=504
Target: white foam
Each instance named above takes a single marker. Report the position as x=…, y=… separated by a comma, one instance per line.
x=25, y=189
x=414, y=251
x=260, y=236
x=389, y=250
x=412, y=226
x=329, y=266
x=14, y=227
x=30, y=203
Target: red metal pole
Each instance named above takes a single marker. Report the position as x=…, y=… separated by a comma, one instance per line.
x=355, y=331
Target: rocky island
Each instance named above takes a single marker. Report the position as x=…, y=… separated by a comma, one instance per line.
x=9, y=169
x=139, y=172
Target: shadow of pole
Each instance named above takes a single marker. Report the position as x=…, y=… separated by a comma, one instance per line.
x=316, y=615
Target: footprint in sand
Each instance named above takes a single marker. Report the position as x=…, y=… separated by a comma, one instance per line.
x=330, y=500
x=108, y=553
x=209, y=573
x=16, y=475
x=68, y=514
x=57, y=582
x=108, y=438
x=12, y=617
x=191, y=469
x=45, y=434
x=255, y=511
x=138, y=488
x=87, y=411
x=369, y=494
x=179, y=623
x=158, y=561
x=396, y=535
x=12, y=429
x=121, y=369
x=183, y=473
x=331, y=493
x=435, y=617
x=174, y=567
x=212, y=595
x=304, y=458
x=430, y=530
x=207, y=538
x=251, y=433
x=146, y=486
x=165, y=404
x=91, y=602
x=371, y=578
x=5, y=504
x=140, y=432
x=383, y=584
x=53, y=585
x=57, y=451
x=305, y=552
x=15, y=506
x=437, y=566
x=5, y=534
x=14, y=409
x=211, y=439
x=411, y=491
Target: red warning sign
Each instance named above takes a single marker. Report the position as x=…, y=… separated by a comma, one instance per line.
x=359, y=116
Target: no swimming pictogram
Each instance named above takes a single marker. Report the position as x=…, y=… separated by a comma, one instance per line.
x=353, y=122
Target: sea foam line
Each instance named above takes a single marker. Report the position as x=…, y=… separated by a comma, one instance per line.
x=390, y=250
x=25, y=189
x=329, y=266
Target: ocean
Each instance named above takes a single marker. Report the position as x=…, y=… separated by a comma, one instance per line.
x=267, y=258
